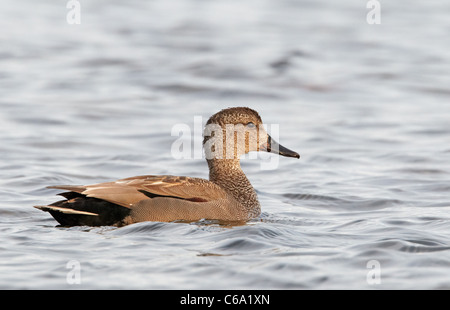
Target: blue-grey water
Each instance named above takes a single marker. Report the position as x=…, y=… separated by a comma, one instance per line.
x=367, y=106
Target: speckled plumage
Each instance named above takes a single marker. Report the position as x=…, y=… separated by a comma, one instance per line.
x=227, y=196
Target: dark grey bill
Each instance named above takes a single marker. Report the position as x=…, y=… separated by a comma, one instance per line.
x=273, y=146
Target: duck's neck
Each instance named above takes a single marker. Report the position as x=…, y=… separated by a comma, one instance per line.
x=228, y=174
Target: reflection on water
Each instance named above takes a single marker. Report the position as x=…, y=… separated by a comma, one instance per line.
x=365, y=105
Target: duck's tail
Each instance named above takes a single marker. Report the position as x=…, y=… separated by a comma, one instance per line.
x=64, y=210
x=88, y=211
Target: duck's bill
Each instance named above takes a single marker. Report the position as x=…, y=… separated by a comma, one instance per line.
x=273, y=146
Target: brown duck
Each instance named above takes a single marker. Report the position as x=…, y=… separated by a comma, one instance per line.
x=227, y=196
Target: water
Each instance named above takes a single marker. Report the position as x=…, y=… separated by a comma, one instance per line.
x=366, y=106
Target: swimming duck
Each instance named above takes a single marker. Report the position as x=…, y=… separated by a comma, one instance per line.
x=227, y=196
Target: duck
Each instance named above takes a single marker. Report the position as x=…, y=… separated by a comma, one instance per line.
x=227, y=196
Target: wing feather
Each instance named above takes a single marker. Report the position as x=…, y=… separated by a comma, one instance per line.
x=128, y=192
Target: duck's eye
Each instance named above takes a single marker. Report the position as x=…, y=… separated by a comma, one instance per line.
x=251, y=125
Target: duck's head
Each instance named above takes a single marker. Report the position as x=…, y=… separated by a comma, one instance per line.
x=233, y=132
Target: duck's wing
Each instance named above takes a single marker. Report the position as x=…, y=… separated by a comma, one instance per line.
x=137, y=199
x=129, y=191
x=186, y=188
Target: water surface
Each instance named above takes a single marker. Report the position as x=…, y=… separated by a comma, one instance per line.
x=366, y=106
